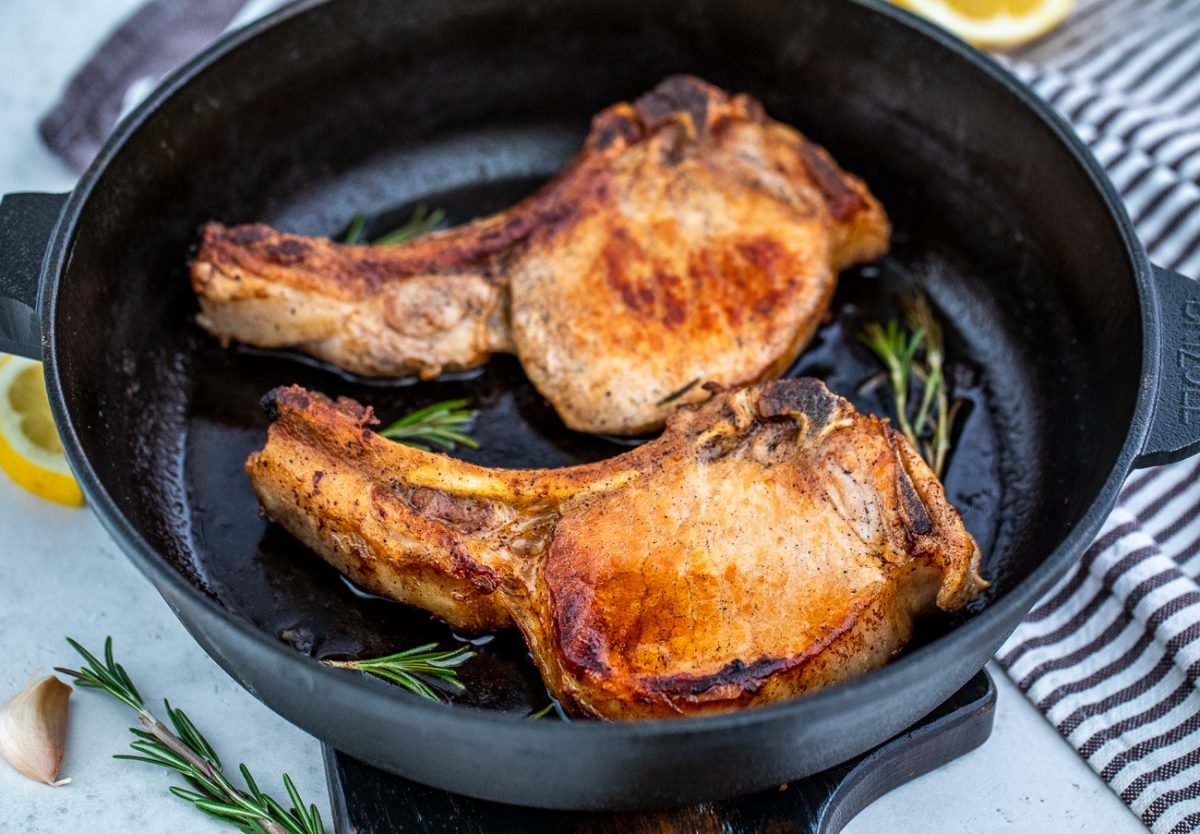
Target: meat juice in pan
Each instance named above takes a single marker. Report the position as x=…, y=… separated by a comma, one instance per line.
x=259, y=572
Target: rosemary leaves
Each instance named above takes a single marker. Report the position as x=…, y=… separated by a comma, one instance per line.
x=420, y=222
x=415, y=668
x=913, y=353
x=442, y=424
x=181, y=748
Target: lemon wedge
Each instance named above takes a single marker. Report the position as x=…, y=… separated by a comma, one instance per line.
x=993, y=23
x=30, y=451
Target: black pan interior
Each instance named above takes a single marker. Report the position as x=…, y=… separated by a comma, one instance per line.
x=368, y=106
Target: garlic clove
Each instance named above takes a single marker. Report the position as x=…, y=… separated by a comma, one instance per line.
x=33, y=730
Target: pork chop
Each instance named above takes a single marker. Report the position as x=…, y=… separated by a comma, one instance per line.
x=692, y=240
x=771, y=541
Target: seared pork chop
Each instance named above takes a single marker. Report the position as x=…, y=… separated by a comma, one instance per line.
x=772, y=541
x=693, y=239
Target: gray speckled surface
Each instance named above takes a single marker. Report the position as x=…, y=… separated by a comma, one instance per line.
x=61, y=574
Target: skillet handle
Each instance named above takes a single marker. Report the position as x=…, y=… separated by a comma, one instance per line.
x=27, y=223
x=1175, y=421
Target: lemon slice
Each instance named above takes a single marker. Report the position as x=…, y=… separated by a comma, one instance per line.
x=30, y=451
x=993, y=23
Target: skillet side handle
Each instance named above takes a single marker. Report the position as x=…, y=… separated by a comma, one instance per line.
x=1175, y=421
x=27, y=222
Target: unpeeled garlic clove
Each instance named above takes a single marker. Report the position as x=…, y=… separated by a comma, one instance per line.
x=33, y=730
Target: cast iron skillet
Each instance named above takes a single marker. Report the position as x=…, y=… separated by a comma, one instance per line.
x=1071, y=351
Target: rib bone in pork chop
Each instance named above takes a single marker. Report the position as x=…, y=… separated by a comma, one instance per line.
x=772, y=541
x=692, y=240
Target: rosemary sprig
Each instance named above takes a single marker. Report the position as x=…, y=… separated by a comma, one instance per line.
x=420, y=222
x=189, y=754
x=897, y=349
x=441, y=424
x=549, y=711
x=413, y=667
x=933, y=378
x=915, y=351
x=355, y=231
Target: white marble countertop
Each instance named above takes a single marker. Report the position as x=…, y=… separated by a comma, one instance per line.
x=61, y=574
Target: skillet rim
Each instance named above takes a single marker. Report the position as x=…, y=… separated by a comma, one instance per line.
x=903, y=672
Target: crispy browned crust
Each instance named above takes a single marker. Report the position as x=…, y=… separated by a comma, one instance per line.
x=705, y=250
x=772, y=541
x=692, y=239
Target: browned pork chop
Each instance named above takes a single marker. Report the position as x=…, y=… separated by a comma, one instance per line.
x=692, y=240
x=772, y=541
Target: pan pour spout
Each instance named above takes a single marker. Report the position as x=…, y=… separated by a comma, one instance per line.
x=772, y=541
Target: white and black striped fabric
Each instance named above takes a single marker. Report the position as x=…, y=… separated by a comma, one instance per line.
x=1112, y=655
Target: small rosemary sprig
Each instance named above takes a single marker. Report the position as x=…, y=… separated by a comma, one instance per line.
x=441, y=424
x=897, y=349
x=189, y=754
x=420, y=222
x=355, y=230
x=915, y=351
x=411, y=668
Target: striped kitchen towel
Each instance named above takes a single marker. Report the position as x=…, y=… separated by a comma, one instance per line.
x=1112, y=655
